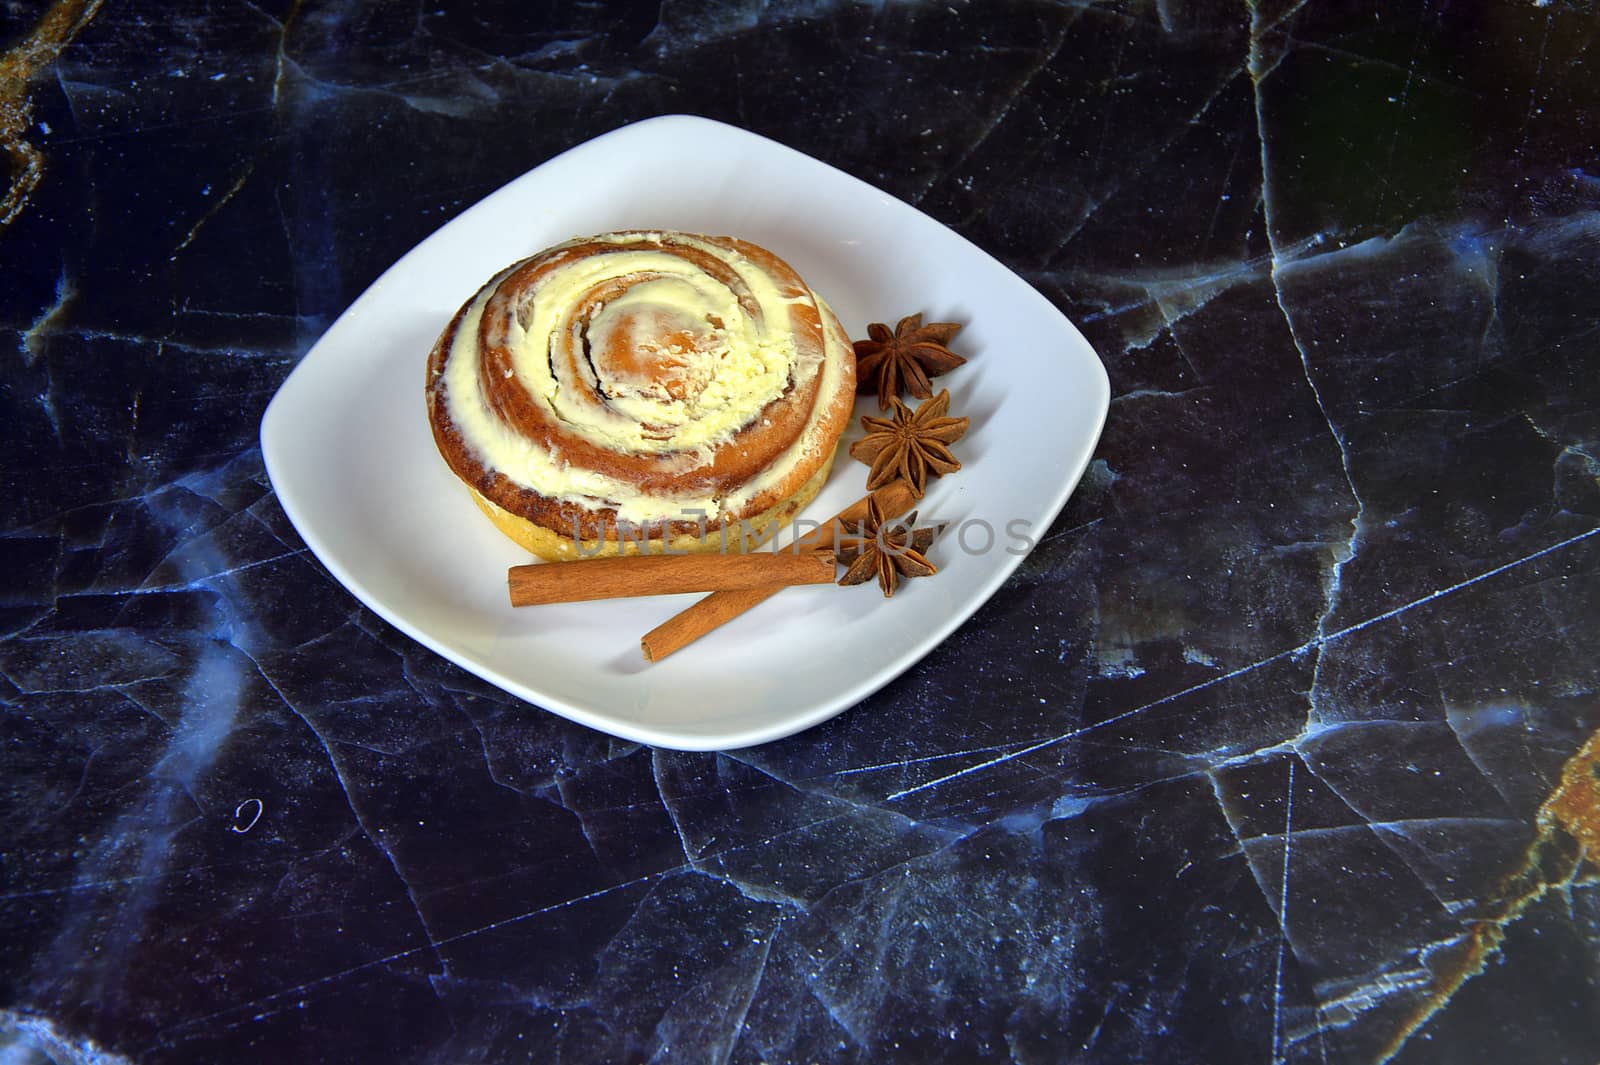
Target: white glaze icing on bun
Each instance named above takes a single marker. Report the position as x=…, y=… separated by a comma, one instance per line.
x=641, y=378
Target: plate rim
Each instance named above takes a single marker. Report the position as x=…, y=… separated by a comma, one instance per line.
x=656, y=736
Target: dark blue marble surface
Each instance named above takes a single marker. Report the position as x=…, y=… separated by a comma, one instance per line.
x=1281, y=746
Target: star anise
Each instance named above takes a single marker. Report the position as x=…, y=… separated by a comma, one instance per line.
x=910, y=445
x=903, y=360
x=888, y=551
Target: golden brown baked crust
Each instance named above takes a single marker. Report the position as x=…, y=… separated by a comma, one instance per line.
x=562, y=400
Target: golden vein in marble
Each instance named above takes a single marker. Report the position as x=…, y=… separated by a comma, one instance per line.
x=1571, y=815
x=18, y=69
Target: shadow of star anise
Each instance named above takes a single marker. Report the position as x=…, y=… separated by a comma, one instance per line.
x=889, y=363
x=887, y=551
x=912, y=446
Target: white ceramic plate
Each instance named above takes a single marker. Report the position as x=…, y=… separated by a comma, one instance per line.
x=350, y=453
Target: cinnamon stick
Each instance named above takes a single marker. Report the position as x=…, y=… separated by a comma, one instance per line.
x=718, y=608
x=613, y=578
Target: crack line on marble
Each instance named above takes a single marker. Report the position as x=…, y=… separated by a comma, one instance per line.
x=1352, y=546
x=154, y=127
x=1469, y=582
x=667, y=807
x=162, y=343
x=436, y=946
x=1253, y=666
x=869, y=808
x=387, y=959
x=284, y=64
x=349, y=798
x=289, y=246
x=846, y=945
x=44, y=324
x=123, y=881
x=697, y=867
x=1210, y=280
x=625, y=928
x=730, y=791
x=1224, y=196
x=131, y=697
x=1106, y=110
x=764, y=894
x=1041, y=744
x=1170, y=326
x=1000, y=116
x=1407, y=404
x=283, y=26
x=1351, y=549
x=1096, y=202
x=1367, y=60
x=115, y=686
x=1390, y=833
x=211, y=212
x=83, y=776
x=704, y=867
x=1344, y=1010
x=1287, y=14
x=1128, y=790
x=1451, y=716
x=143, y=833
x=1533, y=85
x=1159, y=393
x=824, y=961
x=1283, y=1038
x=736, y=1030
x=483, y=742
x=1283, y=914
x=1100, y=201
x=1398, y=826
x=832, y=1008
x=149, y=589
x=923, y=758
x=583, y=824
x=1094, y=1034
x=1081, y=526
x=187, y=309
x=1387, y=836
x=1229, y=815
x=1400, y=110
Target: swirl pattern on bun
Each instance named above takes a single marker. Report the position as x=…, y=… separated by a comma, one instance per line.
x=641, y=383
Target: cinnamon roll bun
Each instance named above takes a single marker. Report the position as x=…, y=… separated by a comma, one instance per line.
x=641, y=391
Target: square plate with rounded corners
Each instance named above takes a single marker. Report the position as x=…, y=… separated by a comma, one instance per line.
x=349, y=451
